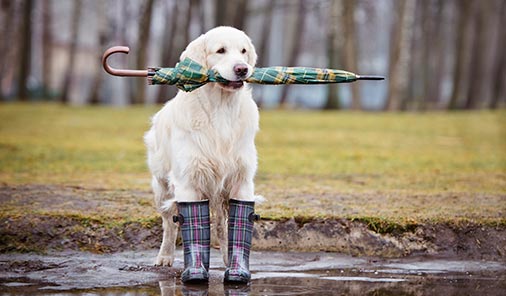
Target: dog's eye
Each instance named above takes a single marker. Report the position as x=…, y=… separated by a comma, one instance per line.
x=221, y=50
x=243, y=50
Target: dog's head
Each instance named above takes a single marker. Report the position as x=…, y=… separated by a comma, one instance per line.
x=226, y=50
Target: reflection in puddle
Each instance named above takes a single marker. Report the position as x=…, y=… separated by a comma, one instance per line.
x=292, y=283
x=321, y=284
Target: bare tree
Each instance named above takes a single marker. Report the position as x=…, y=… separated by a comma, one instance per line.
x=6, y=34
x=25, y=50
x=350, y=60
x=489, y=53
x=221, y=12
x=499, y=74
x=240, y=14
x=333, y=51
x=399, y=53
x=102, y=37
x=298, y=38
x=168, y=53
x=202, y=16
x=438, y=54
x=76, y=16
x=188, y=18
x=47, y=40
x=144, y=31
x=179, y=39
x=463, y=41
x=413, y=88
x=231, y=13
x=263, y=49
x=474, y=76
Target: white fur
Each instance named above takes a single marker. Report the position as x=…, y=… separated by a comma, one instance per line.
x=201, y=144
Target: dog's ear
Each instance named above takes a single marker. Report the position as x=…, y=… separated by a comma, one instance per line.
x=196, y=51
x=252, y=54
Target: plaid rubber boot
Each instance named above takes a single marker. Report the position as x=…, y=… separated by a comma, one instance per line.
x=240, y=233
x=195, y=231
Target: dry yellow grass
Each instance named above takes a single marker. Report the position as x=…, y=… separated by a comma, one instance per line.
x=327, y=164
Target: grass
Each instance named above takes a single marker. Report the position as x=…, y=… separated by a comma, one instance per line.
x=403, y=167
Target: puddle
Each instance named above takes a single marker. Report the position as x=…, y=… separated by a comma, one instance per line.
x=132, y=273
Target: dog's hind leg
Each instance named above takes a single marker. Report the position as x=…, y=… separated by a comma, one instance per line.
x=166, y=253
x=163, y=193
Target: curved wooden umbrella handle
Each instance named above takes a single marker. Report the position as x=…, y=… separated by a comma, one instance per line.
x=120, y=72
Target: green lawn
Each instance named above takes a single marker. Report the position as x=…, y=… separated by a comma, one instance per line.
x=414, y=166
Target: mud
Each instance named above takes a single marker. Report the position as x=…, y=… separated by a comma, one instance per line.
x=356, y=238
x=274, y=273
x=40, y=218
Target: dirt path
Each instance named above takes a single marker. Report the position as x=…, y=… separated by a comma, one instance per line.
x=42, y=218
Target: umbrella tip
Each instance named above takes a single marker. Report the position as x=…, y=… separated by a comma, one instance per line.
x=370, y=77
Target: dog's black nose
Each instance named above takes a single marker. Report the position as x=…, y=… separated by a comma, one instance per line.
x=241, y=70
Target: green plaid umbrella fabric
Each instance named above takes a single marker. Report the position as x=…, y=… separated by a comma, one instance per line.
x=188, y=75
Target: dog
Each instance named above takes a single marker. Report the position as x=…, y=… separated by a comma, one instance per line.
x=201, y=143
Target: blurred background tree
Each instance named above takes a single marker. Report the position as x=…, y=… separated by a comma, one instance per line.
x=436, y=54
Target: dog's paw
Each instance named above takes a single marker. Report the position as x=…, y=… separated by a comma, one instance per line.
x=164, y=260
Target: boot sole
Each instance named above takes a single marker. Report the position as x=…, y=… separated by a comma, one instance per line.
x=196, y=280
x=236, y=280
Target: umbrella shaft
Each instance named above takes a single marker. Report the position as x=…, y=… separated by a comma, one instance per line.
x=370, y=77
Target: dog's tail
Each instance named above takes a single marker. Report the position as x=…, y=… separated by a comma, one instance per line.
x=259, y=199
x=168, y=204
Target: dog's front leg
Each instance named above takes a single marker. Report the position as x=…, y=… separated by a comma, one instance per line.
x=240, y=234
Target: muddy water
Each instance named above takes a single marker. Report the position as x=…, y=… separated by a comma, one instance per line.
x=132, y=273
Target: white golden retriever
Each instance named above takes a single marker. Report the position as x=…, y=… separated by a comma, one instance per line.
x=201, y=143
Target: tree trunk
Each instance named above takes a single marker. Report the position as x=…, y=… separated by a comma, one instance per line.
x=47, y=46
x=499, y=74
x=413, y=93
x=426, y=56
x=25, y=50
x=298, y=38
x=76, y=16
x=433, y=66
x=103, y=36
x=490, y=53
x=221, y=13
x=142, y=50
x=263, y=49
x=6, y=35
x=181, y=40
x=438, y=55
x=464, y=34
x=399, y=54
x=240, y=14
x=168, y=52
x=475, y=78
x=350, y=60
x=202, y=17
x=188, y=19
x=333, y=51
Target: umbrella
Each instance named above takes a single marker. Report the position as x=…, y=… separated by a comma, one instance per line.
x=189, y=75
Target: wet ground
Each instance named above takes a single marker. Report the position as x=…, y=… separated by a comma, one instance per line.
x=274, y=273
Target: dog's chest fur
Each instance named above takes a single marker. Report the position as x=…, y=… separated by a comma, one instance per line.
x=221, y=129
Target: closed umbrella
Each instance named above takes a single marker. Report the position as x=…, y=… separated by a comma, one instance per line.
x=188, y=75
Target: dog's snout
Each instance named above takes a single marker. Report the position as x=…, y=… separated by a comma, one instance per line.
x=241, y=70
